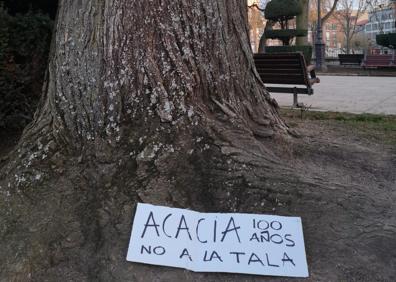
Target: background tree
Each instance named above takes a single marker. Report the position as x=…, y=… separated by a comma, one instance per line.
x=257, y=4
x=256, y=24
x=328, y=8
x=360, y=42
x=256, y=9
x=347, y=16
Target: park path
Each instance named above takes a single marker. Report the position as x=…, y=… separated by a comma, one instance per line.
x=353, y=94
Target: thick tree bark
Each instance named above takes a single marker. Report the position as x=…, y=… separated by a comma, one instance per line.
x=159, y=102
x=144, y=101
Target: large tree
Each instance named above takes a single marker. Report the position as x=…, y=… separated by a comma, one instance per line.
x=143, y=101
x=160, y=102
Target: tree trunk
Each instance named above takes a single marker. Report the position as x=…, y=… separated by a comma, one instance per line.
x=262, y=44
x=160, y=102
x=152, y=102
x=348, y=36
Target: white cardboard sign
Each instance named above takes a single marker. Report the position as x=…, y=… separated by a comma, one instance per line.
x=218, y=242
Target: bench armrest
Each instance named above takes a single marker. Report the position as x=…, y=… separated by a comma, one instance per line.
x=313, y=80
x=311, y=71
x=310, y=68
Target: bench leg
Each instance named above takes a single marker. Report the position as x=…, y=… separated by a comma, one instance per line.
x=295, y=100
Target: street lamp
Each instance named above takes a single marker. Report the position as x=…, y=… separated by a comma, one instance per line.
x=319, y=45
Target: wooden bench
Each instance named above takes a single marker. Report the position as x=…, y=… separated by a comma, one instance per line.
x=350, y=59
x=375, y=61
x=286, y=68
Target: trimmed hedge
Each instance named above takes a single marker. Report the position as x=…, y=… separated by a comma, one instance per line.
x=285, y=33
x=24, y=49
x=392, y=39
x=281, y=10
x=382, y=39
x=306, y=50
x=387, y=40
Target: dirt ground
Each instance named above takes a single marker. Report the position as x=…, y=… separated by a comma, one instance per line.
x=347, y=201
x=350, y=224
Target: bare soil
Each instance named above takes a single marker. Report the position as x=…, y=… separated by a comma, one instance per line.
x=346, y=198
x=350, y=224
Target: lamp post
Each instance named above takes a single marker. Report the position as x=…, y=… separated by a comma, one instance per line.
x=319, y=46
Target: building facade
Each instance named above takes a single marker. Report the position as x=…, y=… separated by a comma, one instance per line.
x=333, y=36
x=381, y=20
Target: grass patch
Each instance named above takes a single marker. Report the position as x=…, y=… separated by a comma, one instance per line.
x=380, y=127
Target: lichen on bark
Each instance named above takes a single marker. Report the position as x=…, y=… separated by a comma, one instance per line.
x=144, y=101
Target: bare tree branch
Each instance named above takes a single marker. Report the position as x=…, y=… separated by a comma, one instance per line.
x=348, y=17
x=257, y=7
x=329, y=13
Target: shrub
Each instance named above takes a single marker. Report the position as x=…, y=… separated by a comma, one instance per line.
x=24, y=49
x=290, y=33
x=306, y=50
x=382, y=39
x=387, y=40
x=282, y=10
x=285, y=35
x=392, y=40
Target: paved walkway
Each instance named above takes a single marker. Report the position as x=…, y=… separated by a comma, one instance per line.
x=353, y=94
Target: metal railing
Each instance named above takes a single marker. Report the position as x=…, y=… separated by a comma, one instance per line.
x=334, y=52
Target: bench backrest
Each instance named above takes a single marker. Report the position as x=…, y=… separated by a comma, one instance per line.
x=378, y=60
x=282, y=68
x=350, y=58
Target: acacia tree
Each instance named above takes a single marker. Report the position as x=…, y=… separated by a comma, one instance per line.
x=160, y=102
x=148, y=102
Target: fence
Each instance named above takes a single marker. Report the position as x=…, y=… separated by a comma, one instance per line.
x=332, y=53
